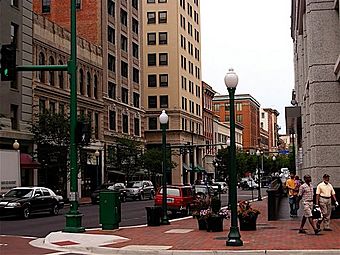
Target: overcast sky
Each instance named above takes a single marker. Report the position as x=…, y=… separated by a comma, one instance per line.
x=253, y=37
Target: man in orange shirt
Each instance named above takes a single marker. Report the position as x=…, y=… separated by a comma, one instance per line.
x=292, y=195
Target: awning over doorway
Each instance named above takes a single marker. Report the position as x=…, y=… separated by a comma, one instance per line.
x=26, y=161
x=186, y=167
x=199, y=169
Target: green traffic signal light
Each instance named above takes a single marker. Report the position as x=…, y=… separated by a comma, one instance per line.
x=6, y=72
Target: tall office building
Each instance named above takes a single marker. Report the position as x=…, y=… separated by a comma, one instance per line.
x=16, y=96
x=314, y=118
x=172, y=81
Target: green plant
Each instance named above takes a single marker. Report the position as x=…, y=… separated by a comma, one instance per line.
x=198, y=205
x=246, y=211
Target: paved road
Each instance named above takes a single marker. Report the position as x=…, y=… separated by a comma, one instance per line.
x=133, y=213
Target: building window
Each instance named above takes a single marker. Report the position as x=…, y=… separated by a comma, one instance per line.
x=111, y=63
x=61, y=108
x=152, y=80
x=135, y=26
x=152, y=59
x=137, y=126
x=151, y=38
x=152, y=101
x=96, y=125
x=52, y=107
x=162, y=1
x=111, y=34
x=135, y=99
x=239, y=117
x=88, y=84
x=15, y=3
x=152, y=123
x=124, y=43
x=81, y=80
x=151, y=1
x=125, y=95
x=112, y=120
x=135, y=50
x=239, y=107
x=41, y=74
x=51, y=73
x=42, y=106
x=111, y=8
x=151, y=17
x=123, y=17
x=135, y=75
x=46, y=6
x=78, y=4
x=111, y=90
x=163, y=59
x=135, y=4
x=95, y=86
x=163, y=100
x=163, y=80
x=61, y=76
x=261, y=124
x=125, y=124
x=14, y=117
x=162, y=37
x=124, y=70
x=162, y=17
x=262, y=115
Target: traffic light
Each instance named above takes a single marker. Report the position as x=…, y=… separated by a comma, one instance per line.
x=83, y=133
x=8, y=62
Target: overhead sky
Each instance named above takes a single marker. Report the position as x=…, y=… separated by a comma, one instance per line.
x=253, y=37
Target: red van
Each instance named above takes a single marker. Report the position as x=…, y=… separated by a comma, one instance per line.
x=179, y=199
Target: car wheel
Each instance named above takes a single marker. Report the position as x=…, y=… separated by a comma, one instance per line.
x=55, y=210
x=186, y=212
x=141, y=196
x=26, y=212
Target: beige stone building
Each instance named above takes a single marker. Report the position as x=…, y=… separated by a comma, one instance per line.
x=315, y=31
x=172, y=81
x=51, y=90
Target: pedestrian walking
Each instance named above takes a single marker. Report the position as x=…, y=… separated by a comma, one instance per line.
x=292, y=195
x=324, y=194
x=306, y=195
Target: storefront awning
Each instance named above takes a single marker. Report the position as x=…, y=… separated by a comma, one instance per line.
x=199, y=169
x=27, y=162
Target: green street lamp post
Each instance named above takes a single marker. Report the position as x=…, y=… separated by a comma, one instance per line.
x=234, y=236
x=163, y=119
x=258, y=154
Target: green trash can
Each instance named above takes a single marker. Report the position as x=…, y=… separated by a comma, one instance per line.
x=109, y=209
x=153, y=215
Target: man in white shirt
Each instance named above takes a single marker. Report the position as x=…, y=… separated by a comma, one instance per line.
x=324, y=194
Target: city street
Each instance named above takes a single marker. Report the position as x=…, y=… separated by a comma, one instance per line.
x=133, y=213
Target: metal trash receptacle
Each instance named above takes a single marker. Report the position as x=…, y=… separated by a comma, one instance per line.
x=153, y=215
x=109, y=209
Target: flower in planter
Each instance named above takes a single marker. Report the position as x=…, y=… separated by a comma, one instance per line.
x=246, y=211
x=224, y=213
x=198, y=205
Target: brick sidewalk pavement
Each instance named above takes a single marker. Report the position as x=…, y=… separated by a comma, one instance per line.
x=270, y=235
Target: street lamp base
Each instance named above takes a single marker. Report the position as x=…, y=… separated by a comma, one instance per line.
x=73, y=223
x=234, y=237
x=165, y=221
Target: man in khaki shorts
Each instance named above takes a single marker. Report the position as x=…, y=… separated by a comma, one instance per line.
x=324, y=195
x=306, y=195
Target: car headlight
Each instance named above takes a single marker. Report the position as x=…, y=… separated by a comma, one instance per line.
x=14, y=204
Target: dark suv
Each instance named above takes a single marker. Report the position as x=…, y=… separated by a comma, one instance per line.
x=109, y=186
x=140, y=190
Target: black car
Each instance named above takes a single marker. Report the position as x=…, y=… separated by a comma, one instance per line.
x=109, y=186
x=23, y=201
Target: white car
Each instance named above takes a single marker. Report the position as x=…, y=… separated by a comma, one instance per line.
x=223, y=185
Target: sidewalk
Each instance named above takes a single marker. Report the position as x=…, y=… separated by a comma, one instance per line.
x=183, y=237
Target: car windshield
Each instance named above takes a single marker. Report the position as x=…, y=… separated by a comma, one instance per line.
x=171, y=192
x=19, y=193
x=134, y=184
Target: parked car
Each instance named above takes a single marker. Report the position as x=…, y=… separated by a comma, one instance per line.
x=223, y=186
x=22, y=201
x=179, y=199
x=202, y=191
x=248, y=183
x=140, y=190
x=120, y=187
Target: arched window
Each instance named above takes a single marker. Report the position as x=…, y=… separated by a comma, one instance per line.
x=51, y=73
x=88, y=84
x=81, y=81
x=61, y=76
x=41, y=61
x=95, y=86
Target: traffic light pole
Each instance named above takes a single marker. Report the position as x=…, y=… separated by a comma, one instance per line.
x=73, y=217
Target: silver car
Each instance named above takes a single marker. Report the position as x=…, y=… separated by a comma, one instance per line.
x=140, y=190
